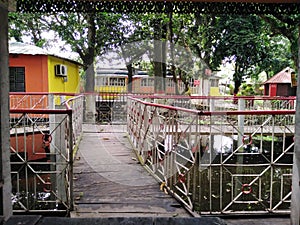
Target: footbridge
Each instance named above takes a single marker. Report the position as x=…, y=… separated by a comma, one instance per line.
x=158, y=156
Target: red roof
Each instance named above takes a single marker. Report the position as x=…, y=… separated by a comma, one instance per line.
x=283, y=77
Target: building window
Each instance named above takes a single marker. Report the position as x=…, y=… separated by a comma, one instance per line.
x=170, y=82
x=147, y=82
x=116, y=81
x=17, y=79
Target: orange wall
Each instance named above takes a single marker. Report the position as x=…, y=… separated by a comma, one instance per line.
x=33, y=147
x=36, y=71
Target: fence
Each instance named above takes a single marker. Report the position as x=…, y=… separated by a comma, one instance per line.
x=217, y=162
x=111, y=107
x=43, y=140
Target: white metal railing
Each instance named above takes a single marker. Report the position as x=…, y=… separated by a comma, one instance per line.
x=214, y=162
x=111, y=108
x=42, y=148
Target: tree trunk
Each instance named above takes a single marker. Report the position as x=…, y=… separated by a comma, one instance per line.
x=237, y=76
x=90, y=77
x=237, y=83
x=5, y=176
x=90, y=112
x=164, y=32
x=88, y=60
x=158, y=71
x=173, y=68
x=130, y=75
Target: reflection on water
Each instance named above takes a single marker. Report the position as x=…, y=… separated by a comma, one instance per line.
x=222, y=144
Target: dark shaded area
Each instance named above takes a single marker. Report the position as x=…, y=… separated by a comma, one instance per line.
x=52, y=6
x=39, y=220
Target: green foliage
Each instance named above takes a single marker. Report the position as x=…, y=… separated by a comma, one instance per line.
x=277, y=57
x=254, y=43
x=231, y=88
x=27, y=24
x=285, y=25
x=89, y=35
x=242, y=42
x=247, y=90
x=250, y=89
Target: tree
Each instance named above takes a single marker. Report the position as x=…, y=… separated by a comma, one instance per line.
x=27, y=24
x=277, y=56
x=245, y=40
x=242, y=42
x=253, y=43
x=202, y=36
x=88, y=34
x=287, y=26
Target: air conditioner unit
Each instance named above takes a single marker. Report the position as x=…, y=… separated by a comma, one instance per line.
x=61, y=70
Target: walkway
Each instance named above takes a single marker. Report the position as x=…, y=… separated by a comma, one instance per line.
x=109, y=181
x=111, y=187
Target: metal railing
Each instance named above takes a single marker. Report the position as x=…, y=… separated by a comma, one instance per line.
x=43, y=141
x=111, y=106
x=217, y=162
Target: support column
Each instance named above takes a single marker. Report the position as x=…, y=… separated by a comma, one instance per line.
x=295, y=205
x=5, y=177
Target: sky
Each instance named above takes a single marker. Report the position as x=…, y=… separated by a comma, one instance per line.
x=56, y=46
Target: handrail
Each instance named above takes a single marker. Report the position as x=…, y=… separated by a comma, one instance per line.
x=140, y=96
x=71, y=99
x=210, y=113
x=43, y=93
x=42, y=111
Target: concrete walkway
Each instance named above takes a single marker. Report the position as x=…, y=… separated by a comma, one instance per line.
x=110, y=182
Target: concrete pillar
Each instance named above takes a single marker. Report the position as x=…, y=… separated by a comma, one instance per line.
x=5, y=177
x=295, y=205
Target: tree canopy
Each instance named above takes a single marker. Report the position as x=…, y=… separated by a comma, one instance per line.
x=255, y=43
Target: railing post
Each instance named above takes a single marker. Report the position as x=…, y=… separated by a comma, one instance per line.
x=5, y=176
x=56, y=157
x=241, y=120
x=70, y=175
x=52, y=156
x=211, y=104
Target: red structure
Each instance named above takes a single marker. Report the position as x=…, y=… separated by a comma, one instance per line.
x=32, y=146
x=280, y=84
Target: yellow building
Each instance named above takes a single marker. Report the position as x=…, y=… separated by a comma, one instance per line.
x=33, y=69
